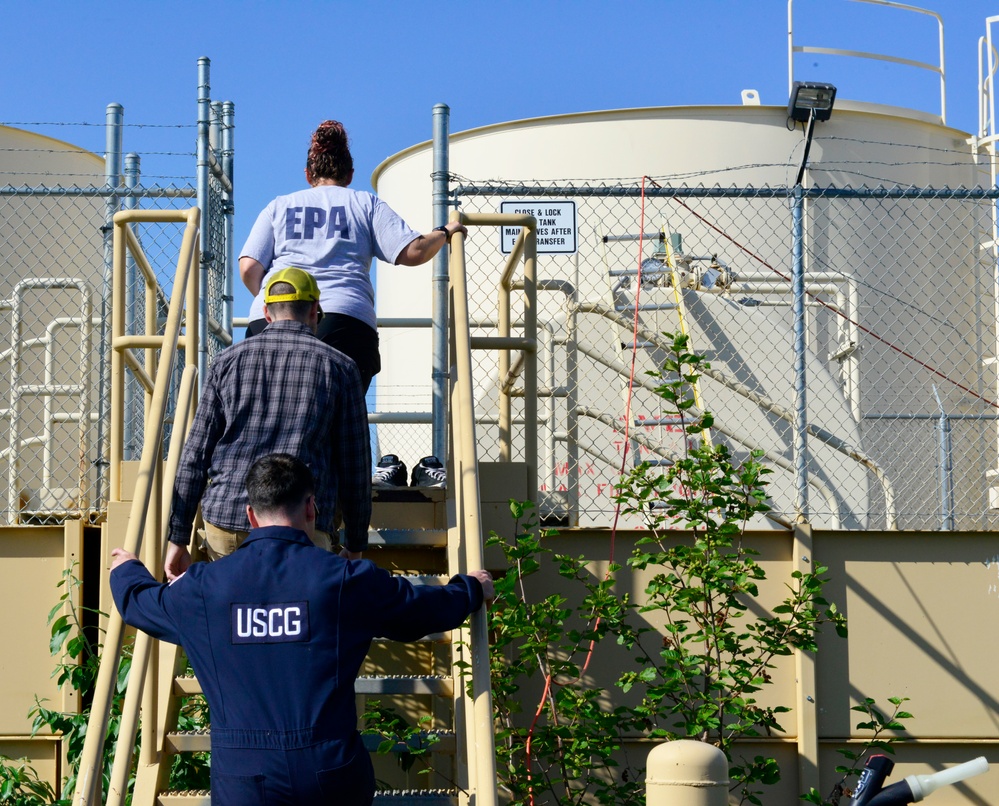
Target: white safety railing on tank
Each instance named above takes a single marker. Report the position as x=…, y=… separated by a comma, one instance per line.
x=857, y=54
x=48, y=390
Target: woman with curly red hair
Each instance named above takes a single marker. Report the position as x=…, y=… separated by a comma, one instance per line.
x=334, y=232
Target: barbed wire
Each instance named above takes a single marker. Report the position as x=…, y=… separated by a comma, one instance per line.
x=82, y=150
x=101, y=125
x=919, y=146
x=98, y=178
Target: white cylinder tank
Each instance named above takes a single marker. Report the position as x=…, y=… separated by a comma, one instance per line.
x=899, y=308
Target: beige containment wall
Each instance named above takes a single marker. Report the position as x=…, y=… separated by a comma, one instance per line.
x=922, y=613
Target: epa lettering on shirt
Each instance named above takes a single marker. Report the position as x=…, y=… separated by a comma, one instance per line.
x=305, y=223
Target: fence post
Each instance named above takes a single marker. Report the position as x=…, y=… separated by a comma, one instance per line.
x=440, y=369
x=203, y=171
x=800, y=353
x=686, y=773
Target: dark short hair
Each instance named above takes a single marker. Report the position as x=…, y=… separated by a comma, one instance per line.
x=279, y=482
x=297, y=309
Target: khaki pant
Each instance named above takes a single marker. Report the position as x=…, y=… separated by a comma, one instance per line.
x=217, y=542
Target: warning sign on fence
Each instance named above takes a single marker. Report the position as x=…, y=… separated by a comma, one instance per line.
x=556, y=225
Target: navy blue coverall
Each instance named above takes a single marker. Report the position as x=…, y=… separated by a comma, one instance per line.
x=276, y=633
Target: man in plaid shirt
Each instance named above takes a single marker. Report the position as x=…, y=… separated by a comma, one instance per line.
x=282, y=391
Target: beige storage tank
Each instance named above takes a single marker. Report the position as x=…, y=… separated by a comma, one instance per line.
x=900, y=306
x=51, y=274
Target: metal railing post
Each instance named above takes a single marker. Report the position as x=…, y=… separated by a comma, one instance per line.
x=112, y=180
x=203, y=170
x=800, y=356
x=228, y=164
x=132, y=172
x=439, y=340
x=946, y=467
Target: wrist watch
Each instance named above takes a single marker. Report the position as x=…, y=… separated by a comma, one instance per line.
x=443, y=228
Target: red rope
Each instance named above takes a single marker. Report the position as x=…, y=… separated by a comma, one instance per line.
x=617, y=506
x=627, y=407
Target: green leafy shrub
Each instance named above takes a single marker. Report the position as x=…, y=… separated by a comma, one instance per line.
x=696, y=677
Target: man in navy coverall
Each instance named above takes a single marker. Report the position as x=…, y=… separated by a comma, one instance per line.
x=276, y=633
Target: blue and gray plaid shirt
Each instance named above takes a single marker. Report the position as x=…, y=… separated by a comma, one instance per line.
x=282, y=391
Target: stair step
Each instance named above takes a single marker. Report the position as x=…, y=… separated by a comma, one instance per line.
x=417, y=797
x=189, y=797
x=187, y=685
x=407, y=495
x=189, y=741
x=405, y=684
x=423, y=538
x=446, y=742
x=402, y=797
x=195, y=741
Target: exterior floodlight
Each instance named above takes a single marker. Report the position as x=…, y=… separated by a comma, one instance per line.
x=811, y=100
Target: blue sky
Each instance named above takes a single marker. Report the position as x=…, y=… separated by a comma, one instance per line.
x=380, y=66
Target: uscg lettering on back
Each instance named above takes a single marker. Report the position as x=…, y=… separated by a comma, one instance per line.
x=287, y=622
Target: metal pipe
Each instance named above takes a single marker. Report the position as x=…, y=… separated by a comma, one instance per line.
x=503, y=315
x=677, y=192
x=112, y=180
x=415, y=321
x=526, y=246
x=400, y=417
x=203, y=168
x=945, y=474
x=439, y=312
x=228, y=168
x=132, y=172
x=800, y=356
x=722, y=428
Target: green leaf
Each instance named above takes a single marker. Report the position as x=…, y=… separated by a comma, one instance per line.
x=60, y=629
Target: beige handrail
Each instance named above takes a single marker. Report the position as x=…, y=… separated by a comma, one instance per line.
x=481, y=748
x=147, y=496
x=526, y=247
x=481, y=753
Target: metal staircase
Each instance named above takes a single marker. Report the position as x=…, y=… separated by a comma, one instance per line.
x=425, y=534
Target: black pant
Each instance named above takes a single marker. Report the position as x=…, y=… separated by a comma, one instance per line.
x=350, y=336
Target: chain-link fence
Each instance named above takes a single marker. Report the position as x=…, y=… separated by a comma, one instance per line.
x=55, y=327
x=898, y=377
